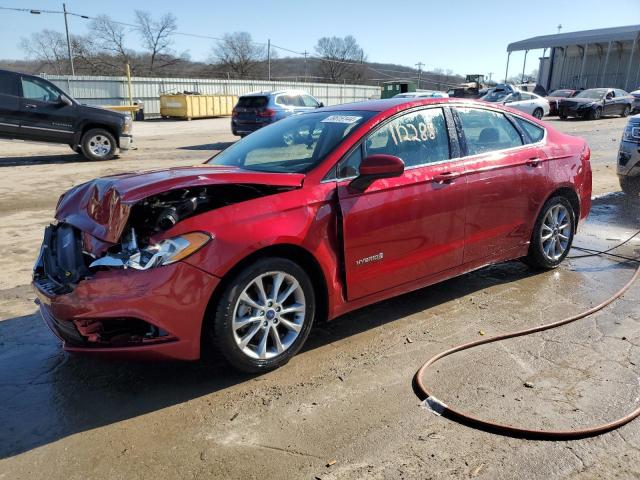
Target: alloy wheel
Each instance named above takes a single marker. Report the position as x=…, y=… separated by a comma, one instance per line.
x=268, y=315
x=100, y=145
x=555, y=233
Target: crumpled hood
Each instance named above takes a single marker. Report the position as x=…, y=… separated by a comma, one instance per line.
x=101, y=207
x=575, y=102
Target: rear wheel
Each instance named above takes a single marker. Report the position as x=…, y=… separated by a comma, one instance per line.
x=98, y=144
x=264, y=315
x=595, y=114
x=538, y=113
x=562, y=117
x=552, y=234
x=626, y=111
x=630, y=185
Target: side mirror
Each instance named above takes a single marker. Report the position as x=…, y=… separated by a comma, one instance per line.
x=320, y=105
x=64, y=101
x=375, y=167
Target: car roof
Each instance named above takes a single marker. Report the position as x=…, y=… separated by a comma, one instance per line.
x=275, y=92
x=389, y=103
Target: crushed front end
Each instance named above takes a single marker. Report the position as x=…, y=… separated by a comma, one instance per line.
x=154, y=313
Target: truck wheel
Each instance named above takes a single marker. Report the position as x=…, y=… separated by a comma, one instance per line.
x=552, y=234
x=264, y=315
x=538, y=113
x=630, y=185
x=75, y=148
x=98, y=144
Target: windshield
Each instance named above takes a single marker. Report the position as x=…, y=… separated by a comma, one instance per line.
x=293, y=145
x=561, y=93
x=495, y=96
x=595, y=93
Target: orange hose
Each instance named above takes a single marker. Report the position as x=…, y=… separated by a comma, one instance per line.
x=467, y=419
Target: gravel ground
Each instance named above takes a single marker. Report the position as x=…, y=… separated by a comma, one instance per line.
x=347, y=397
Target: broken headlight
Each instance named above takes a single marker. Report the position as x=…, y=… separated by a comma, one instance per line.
x=165, y=252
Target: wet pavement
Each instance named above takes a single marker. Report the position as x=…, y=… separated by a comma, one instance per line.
x=347, y=397
x=348, y=394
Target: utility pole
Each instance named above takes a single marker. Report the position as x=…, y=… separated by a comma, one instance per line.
x=490, y=74
x=66, y=27
x=269, y=58
x=305, y=66
x=559, y=27
x=419, y=65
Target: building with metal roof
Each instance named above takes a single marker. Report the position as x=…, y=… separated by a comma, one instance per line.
x=605, y=57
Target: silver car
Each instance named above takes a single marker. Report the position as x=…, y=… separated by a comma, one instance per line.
x=629, y=157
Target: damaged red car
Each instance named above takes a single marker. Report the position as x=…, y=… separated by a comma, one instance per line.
x=302, y=221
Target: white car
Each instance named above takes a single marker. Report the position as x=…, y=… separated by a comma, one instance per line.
x=422, y=94
x=526, y=102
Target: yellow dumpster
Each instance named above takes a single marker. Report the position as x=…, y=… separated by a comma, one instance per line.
x=181, y=105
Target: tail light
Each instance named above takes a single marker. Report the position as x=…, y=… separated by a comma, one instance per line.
x=267, y=113
x=234, y=112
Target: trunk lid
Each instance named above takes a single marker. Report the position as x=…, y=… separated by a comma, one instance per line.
x=101, y=207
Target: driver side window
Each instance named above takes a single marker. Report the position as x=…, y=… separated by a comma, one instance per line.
x=35, y=90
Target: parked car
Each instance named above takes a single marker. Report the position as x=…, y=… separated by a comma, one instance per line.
x=556, y=95
x=629, y=157
x=636, y=100
x=256, y=110
x=32, y=108
x=244, y=253
x=526, y=102
x=423, y=94
x=593, y=103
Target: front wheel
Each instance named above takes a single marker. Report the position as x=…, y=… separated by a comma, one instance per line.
x=563, y=117
x=626, y=111
x=98, y=144
x=595, y=114
x=630, y=185
x=552, y=234
x=538, y=113
x=264, y=315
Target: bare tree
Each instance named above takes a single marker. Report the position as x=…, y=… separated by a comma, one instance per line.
x=48, y=46
x=109, y=36
x=238, y=54
x=156, y=36
x=341, y=57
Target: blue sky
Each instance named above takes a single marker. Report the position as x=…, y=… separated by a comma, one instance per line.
x=465, y=36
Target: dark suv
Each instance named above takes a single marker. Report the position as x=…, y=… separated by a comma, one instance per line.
x=32, y=108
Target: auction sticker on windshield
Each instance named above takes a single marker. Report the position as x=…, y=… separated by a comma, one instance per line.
x=341, y=119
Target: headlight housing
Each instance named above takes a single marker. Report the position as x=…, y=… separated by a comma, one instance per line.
x=632, y=133
x=165, y=252
x=127, y=128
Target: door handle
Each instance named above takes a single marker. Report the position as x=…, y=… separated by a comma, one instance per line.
x=533, y=162
x=30, y=105
x=446, y=177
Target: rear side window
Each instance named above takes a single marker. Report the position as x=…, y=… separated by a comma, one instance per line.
x=8, y=84
x=252, y=102
x=418, y=138
x=309, y=101
x=534, y=132
x=487, y=131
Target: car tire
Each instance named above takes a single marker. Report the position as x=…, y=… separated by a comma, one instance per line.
x=595, y=114
x=538, y=113
x=630, y=185
x=98, y=144
x=75, y=148
x=247, y=322
x=562, y=117
x=550, y=241
x=626, y=111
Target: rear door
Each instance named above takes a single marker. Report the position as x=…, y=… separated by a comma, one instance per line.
x=506, y=181
x=403, y=229
x=44, y=117
x=9, y=104
x=610, y=104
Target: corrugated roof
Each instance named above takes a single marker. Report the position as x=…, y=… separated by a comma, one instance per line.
x=600, y=35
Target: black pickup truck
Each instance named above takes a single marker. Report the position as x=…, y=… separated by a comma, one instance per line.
x=32, y=108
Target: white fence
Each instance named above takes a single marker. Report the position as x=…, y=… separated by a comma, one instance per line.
x=95, y=90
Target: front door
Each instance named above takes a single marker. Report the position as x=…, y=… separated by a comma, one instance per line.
x=402, y=229
x=44, y=117
x=9, y=105
x=506, y=181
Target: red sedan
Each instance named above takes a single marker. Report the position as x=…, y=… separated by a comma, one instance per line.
x=304, y=220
